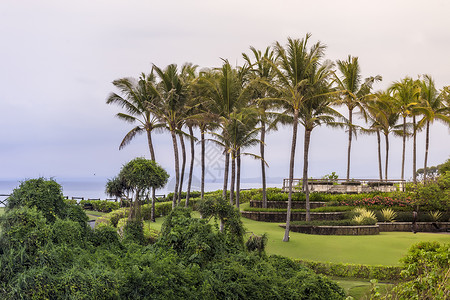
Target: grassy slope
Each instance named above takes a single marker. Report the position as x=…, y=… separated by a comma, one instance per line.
x=384, y=249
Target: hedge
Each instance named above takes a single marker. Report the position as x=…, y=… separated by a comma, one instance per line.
x=384, y=273
x=161, y=209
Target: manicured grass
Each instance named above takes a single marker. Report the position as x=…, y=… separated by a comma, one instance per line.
x=384, y=249
x=360, y=289
x=93, y=215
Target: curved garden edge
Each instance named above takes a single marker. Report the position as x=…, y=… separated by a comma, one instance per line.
x=335, y=230
x=370, y=229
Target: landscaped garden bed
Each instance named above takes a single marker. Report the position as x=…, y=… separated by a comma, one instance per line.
x=420, y=226
x=283, y=204
x=335, y=230
x=295, y=216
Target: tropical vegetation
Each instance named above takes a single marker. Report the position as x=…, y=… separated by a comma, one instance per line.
x=291, y=84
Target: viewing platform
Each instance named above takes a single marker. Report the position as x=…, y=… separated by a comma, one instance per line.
x=343, y=186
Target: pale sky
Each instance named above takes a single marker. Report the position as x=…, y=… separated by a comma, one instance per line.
x=58, y=59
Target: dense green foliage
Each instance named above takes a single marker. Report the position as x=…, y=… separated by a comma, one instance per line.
x=45, y=195
x=100, y=205
x=426, y=270
x=385, y=273
x=191, y=259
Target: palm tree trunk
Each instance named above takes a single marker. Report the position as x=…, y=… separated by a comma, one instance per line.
x=387, y=157
x=183, y=166
x=305, y=172
x=225, y=177
x=202, y=183
x=291, y=175
x=191, y=166
x=152, y=212
x=427, y=142
x=263, y=166
x=177, y=168
x=152, y=156
x=350, y=131
x=134, y=213
x=238, y=177
x=414, y=149
x=380, y=170
x=404, y=148
x=233, y=176
x=150, y=145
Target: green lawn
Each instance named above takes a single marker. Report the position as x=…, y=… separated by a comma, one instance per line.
x=93, y=215
x=360, y=289
x=384, y=249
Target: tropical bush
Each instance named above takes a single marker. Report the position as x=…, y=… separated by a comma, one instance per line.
x=45, y=195
x=385, y=273
x=364, y=217
x=388, y=215
x=61, y=259
x=426, y=270
x=100, y=205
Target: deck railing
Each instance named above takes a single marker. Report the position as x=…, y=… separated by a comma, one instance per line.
x=343, y=186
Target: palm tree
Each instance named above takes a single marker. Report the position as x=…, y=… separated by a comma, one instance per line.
x=171, y=90
x=223, y=91
x=136, y=99
x=262, y=77
x=295, y=64
x=406, y=93
x=242, y=134
x=315, y=111
x=384, y=116
x=433, y=102
x=352, y=93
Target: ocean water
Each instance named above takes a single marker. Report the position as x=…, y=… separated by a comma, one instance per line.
x=95, y=189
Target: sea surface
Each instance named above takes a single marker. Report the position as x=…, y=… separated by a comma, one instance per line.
x=95, y=189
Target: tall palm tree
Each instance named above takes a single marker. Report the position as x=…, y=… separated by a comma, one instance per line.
x=172, y=92
x=294, y=66
x=384, y=116
x=406, y=93
x=352, y=93
x=433, y=102
x=314, y=112
x=262, y=76
x=223, y=91
x=241, y=130
x=136, y=97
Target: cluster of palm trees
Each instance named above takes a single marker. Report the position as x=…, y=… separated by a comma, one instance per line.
x=284, y=84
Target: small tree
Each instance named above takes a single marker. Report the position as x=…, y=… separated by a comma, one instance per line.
x=116, y=187
x=139, y=175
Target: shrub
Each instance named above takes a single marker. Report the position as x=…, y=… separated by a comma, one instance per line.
x=256, y=243
x=426, y=267
x=435, y=215
x=105, y=236
x=68, y=232
x=385, y=273
x=133, y=231
x=45, y=195
x=24, y=228
x=364, y=217
x=388, y=215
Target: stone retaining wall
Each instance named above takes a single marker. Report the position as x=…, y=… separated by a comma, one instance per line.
x=283, y=204
x=269, y=216
x=335, y=230
x=421, y=226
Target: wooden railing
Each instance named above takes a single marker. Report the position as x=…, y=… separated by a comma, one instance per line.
x=342, y=186
x=4, y=199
